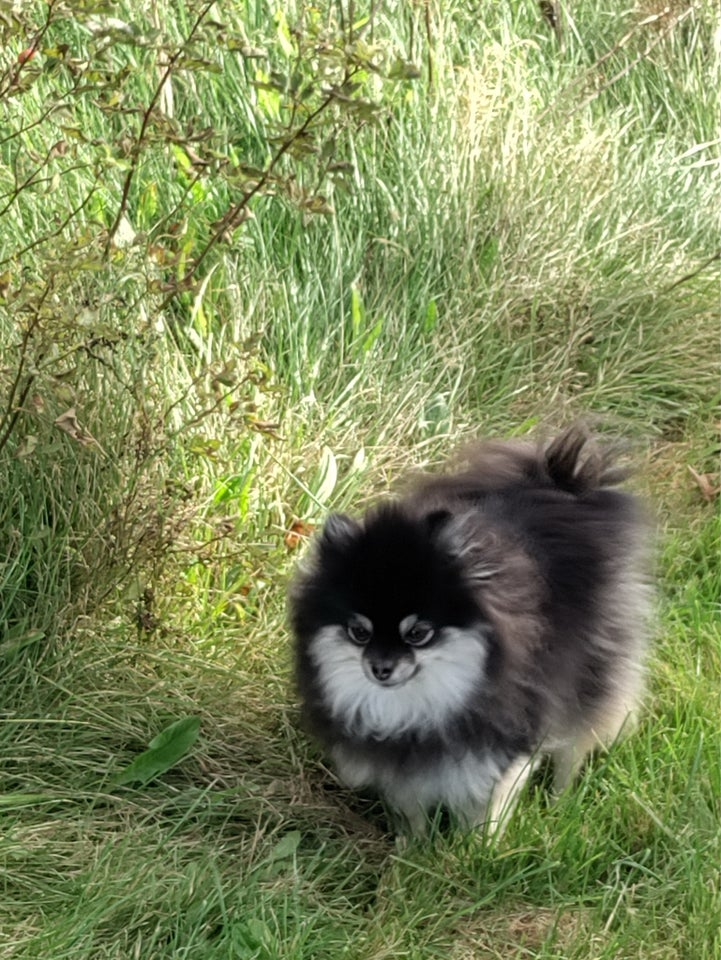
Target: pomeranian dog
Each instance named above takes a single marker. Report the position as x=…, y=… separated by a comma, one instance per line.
x=448, y=640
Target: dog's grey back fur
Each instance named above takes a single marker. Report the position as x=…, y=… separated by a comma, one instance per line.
x=558, y=557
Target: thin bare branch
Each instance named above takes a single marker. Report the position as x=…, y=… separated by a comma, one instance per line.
x=694, y=273
x=18, y=394
x=235, y=213
x=17, y=254
x=10, y=78
x=137, y=146
x=584, y=77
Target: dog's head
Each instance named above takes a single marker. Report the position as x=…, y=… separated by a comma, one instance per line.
x=392, y=629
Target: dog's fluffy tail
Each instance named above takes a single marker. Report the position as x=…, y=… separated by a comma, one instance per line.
x=577, y=463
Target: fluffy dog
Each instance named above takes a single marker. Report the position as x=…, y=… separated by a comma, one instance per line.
x=491, y=616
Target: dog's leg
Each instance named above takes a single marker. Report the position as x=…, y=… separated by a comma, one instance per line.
x=415, y=820
x=506, y=793
x=568, y=760
x=614, y=722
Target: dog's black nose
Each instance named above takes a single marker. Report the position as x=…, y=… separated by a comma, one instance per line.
x=381, y=671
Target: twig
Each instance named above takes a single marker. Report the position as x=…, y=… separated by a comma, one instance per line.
x=629, y=66
x=13, y=406
x=16, y=254
x=146, y=122
x=236, y=211
x=694, y=273
x=199, y=417
x=563, y=94
x=38, y=121
x=13, y=73
x=34, y=179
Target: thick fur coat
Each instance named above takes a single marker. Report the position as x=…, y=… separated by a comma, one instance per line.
x=448, y=639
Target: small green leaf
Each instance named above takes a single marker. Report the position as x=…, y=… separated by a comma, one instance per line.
x=285, y=847
x=359, y=462
x=248, y=937
x=285, y=40
x=181, y=158
x=436, y=419
x=26, y=447
x=75, y=132
x=165, y=750
x=17, y=639
x=523, y=428
x=488, y=256
x=357, y=311
x=268, y=95
x=404, y=70
x=203, y=446
x=372, y=336
x=431, y=317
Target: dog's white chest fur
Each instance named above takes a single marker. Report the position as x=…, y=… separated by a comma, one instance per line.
x=463, y=784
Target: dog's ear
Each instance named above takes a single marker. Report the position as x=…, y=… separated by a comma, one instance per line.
x=448, y=531
x=436, y=521
x=338, y=531
x=465, y=540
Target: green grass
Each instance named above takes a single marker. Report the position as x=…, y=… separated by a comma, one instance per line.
x=524, y=239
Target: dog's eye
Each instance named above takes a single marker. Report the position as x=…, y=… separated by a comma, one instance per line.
x=359, y=631
x=419, y=634
x=359, y=634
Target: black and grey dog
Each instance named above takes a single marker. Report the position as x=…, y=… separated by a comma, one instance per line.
x=451, y=638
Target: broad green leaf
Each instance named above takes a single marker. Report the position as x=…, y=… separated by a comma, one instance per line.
x=165, y=750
